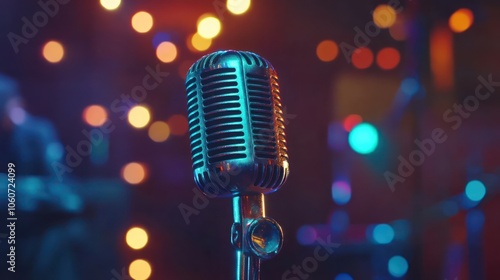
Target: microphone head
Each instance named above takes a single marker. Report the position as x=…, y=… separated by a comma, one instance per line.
x=236, y=124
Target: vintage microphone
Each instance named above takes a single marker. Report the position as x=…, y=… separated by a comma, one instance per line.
x=238, y=146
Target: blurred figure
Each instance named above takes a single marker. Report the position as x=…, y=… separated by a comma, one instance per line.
x=49, y=227
x=27, y=141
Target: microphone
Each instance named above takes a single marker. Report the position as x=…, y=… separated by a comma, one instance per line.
x=238, y=146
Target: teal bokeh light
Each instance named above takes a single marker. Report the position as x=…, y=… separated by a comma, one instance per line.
x=383, y=234
x=398, y=266
x=363, y=138
x=475, y=190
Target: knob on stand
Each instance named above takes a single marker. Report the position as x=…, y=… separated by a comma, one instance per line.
x=255, y=236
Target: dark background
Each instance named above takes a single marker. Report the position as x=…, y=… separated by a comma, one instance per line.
x=105, y=57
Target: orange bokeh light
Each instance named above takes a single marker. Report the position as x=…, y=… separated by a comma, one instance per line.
x=134, y=173
x=53, y=51
x=362, y=58
x=442, y=61
x=327, y=50
x=166, y=52
x=142, y=22
x=95, y=115
x=388, y=58
x=461, y=20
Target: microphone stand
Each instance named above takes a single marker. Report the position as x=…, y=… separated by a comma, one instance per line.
x=255, y=236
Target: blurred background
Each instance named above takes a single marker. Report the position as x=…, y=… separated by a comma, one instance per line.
x=392, y=122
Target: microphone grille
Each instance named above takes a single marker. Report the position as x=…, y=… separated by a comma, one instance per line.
x=235, y=114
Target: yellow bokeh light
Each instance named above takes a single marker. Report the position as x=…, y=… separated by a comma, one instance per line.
x=384, y=16
x=110, y=4
x=461, y=20
x=200, y=43
x=139, y=116
x=238, y=7
x=134, y=173
x=166, y=52
x=139, y=270
x=159, y=131
x=53, y=51
x=142, y=22
x=136, y=238
x=209, y=26
x=327, y=50
x=95, y=115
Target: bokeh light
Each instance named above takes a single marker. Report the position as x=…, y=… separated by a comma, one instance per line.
x=339, y=221
x=384, y=16
x=53, y=51
x=475, y=221
x=388, y=58
x=410, y=86
x=238, y=7
x=327, y=50
x=398, y=31
x=178, y=125
x=160, y=37
x=209, y=26
x=341, y=192
x=140, y=270
x=159, y=131
x=17, y=115
x=139, y=116
x=461, y=20
x=142, y=22
x=351, y=121
x=95, y=115
x=363, y=138
x=198, y=43
x=110, y=4
x=475, y=190
x=343, y=276
x=442, y=58
x=306, y=235
x=397, y=266
x=383, y=234
x=136, y=238
x=362, y=58
x=166, y=52
x=134, y=173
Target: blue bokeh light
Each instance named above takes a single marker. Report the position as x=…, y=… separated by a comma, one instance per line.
x=343, y=276
x=475, y=221
x=410, y=86
x=341, y=192
x=363, y=138
x=339, y=221
x=397, y=266
x=160, y=37
x=306, y=235
x=383, y=233
x=475, y=190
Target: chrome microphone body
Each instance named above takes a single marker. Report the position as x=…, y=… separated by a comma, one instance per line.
x=238, y=146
